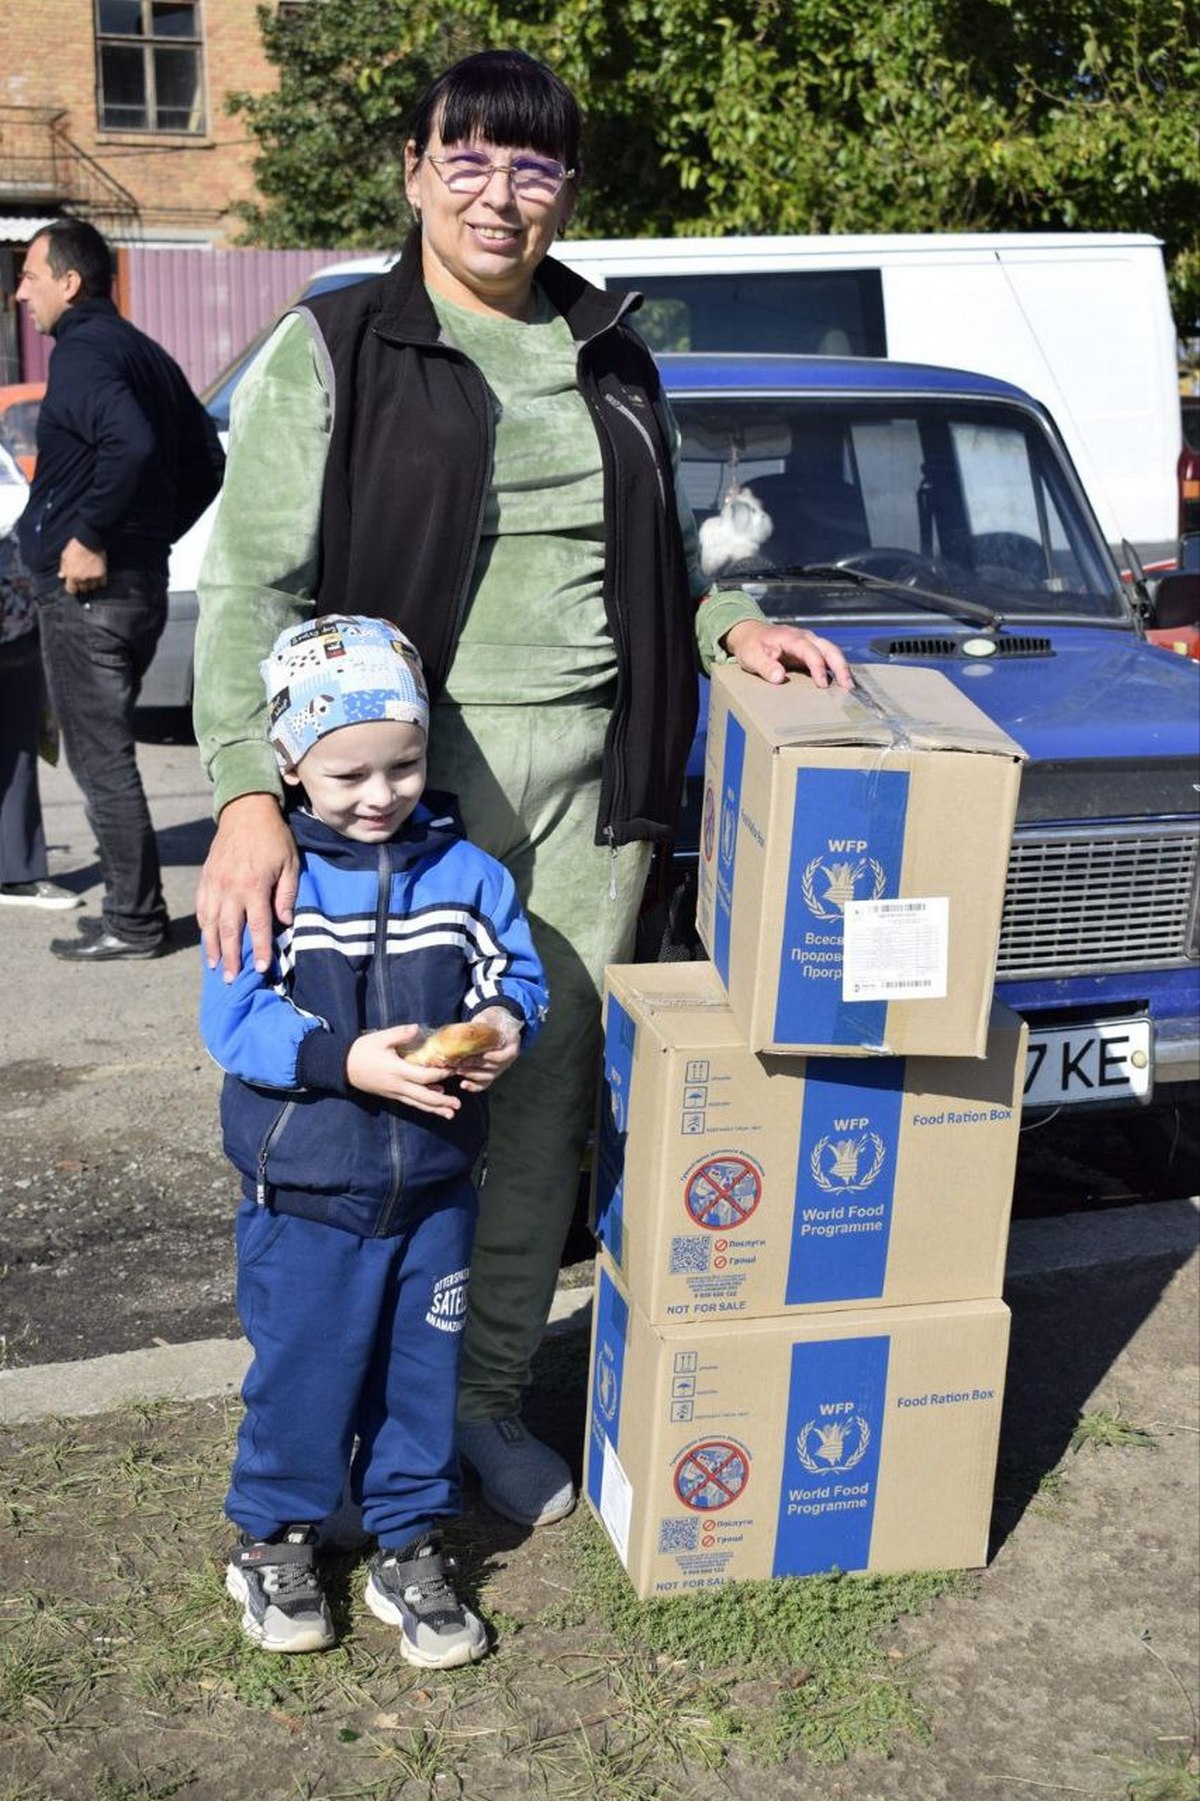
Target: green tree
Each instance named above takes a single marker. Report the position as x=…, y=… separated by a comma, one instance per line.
x=330, y=164
x=774, y=115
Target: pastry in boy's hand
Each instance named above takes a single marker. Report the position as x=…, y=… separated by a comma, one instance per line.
x=453, y=1044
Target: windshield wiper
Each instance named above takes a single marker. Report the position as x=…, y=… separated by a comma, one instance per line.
x=757, y=569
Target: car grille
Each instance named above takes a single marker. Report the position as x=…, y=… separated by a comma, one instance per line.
x=1076, y=903
x=942, y=649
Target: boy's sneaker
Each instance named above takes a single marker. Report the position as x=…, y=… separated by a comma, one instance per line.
x=412, y=1588
x=278, y=1583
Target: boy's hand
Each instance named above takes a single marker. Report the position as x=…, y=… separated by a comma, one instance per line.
x=478, y=1073
x=376, y=1066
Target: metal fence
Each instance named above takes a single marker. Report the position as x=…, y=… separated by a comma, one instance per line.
x=202, y=305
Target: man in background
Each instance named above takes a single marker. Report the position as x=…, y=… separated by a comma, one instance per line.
x=127, y=461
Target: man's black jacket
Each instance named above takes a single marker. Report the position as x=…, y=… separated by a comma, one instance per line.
x=127, y=456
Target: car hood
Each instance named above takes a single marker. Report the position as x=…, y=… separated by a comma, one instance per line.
x=1090, y=697
x=1097, y=695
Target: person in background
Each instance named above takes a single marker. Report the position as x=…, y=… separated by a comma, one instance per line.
x=24, y=872
x=477, y=443
x=127, y=461
x=354, y=1232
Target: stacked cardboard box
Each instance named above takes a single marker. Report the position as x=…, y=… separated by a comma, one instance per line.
x=798, y=1345
x=852, y=861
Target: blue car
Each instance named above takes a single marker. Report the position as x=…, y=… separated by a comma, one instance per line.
x=925, y=516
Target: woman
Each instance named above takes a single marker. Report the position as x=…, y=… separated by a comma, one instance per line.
x=476, y=446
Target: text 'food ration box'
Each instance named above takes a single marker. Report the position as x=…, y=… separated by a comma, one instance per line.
x=847, y=1441
x=728, y=1185
x=853, y=853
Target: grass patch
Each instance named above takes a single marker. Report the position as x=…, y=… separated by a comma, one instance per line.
x=1101, y=1430
x=1051, y=1498
x=797, y=1664
x=116, y=1630
x=1163, y=1776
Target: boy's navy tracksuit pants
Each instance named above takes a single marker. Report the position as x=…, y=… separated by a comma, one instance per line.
x=353, y=1338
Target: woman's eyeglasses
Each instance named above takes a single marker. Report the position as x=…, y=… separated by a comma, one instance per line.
x=534, y=178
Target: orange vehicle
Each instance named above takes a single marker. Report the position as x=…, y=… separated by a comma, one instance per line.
x=20, y=403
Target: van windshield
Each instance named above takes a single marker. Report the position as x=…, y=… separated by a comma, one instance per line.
x=836, y=312
x=957, y=497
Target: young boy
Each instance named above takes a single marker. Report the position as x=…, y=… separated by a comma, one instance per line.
x=354, y=1234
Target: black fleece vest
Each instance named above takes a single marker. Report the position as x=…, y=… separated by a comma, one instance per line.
x=405, y=484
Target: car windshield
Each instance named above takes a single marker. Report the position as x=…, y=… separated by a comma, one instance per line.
x=846, y=507
x=18, y=427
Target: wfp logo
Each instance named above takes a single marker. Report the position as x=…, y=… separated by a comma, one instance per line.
x=606, y=1382
x=847, y=1165
x=824, y=1446
x=848, y=874
x=728, y=828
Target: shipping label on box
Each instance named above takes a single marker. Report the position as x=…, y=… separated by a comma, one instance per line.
x=728, y=1184
x=852, y=1441
x=853, y=852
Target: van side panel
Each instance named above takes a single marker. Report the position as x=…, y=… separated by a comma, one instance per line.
x=1090, y=335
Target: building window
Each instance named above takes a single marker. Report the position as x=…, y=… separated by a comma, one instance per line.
x=151, y=65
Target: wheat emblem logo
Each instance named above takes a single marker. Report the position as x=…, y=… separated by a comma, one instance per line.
x=837, y=1164
x=606, y=1383
x=826, y=1445
x=842, y=881
x=728, y=831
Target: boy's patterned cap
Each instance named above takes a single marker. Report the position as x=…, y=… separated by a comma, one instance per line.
x=339, y=670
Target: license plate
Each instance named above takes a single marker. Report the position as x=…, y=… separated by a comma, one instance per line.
x=1109, y=1060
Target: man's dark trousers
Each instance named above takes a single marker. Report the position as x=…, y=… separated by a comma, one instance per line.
x=96, y=648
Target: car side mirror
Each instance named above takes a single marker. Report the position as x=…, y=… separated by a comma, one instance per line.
x=1177, y=601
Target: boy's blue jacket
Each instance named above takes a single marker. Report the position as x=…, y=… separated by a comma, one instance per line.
x=423, y=929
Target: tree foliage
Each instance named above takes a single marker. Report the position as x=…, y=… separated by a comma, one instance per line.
x=771, y=115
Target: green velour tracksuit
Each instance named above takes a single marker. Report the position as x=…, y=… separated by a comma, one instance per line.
x=517, y=734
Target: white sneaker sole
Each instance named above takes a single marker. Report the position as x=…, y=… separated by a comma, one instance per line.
x=67, y=905
x=469, y=1651
x=313, y=1638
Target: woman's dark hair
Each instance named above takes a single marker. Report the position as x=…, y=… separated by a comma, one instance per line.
x=74, y=244
x=504, y=97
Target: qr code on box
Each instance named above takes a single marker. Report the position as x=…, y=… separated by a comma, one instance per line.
x=678, y=1535
x=689, y=1256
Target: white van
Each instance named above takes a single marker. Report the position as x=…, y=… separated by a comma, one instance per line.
x=1079, y=320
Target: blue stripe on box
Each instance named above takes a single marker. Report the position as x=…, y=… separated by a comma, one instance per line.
x=730, y=808
x=831, y=1457
x=847, y=844
x=845, y=1179
x=608, y=1378
x=620, y=1037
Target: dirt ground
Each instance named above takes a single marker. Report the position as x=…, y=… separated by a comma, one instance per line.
x=1068, y=1667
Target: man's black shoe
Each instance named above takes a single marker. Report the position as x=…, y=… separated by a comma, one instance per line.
x=105, y=947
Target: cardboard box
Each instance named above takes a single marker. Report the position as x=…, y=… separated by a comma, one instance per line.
x=853, y=852
x=850, y=1441
x=728, y=1185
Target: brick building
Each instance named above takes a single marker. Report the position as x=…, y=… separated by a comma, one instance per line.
x=114, y=109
